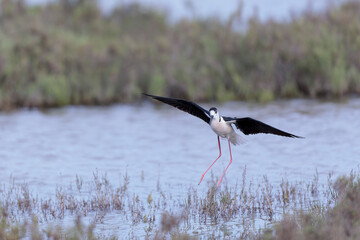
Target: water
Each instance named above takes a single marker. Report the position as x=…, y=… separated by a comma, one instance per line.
x=162, y=144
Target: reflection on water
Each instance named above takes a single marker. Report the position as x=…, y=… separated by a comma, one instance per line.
x=46, y=149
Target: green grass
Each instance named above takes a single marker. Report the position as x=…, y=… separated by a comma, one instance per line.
x=68, y=52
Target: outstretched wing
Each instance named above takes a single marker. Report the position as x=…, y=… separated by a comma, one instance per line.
x=186, y=106
x=251, y=126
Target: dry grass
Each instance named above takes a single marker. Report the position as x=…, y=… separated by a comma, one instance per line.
x=240, y=211
x=341, y=221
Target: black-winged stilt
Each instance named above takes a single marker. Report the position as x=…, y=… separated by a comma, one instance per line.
x=222, y=125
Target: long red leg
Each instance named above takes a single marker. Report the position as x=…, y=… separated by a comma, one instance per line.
x=227, y=165
x=213, y=162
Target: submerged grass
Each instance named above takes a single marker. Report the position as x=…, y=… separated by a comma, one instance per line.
x=247, y=210
x=69, y=52
x=340, y=221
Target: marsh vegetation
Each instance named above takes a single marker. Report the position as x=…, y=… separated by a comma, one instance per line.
x=253, y=210
x=69, y=52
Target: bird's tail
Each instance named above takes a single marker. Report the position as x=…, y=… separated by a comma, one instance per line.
x=236, y=139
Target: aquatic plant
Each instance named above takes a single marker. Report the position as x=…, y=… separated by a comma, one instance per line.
x=341, y=221
x=243, y=210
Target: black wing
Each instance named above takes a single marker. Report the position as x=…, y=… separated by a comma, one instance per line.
x=186, y=106
x=251, y=126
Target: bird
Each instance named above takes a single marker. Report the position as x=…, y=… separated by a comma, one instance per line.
x=222, y=125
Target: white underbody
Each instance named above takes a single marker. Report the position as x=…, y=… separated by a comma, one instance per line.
x=225, y=130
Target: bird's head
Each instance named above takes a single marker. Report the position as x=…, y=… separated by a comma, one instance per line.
x=214, y=113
